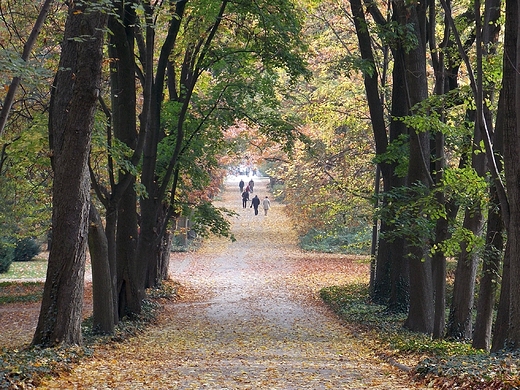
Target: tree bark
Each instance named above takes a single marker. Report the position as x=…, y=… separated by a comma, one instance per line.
x=512, y=169
x=389, y=284
x=501, y=331
x=124, y=126
x=508, y=127
x=420, y=313
x=490, y=273
x=461, y=314
x=102, y=291
x=73, y=101
x=394, y=251
x=494, y=249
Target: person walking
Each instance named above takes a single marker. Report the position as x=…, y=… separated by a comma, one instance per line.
x=251, y=185
x=245, y=198
x=241, y=185
x=255, y=202
x=266, y=203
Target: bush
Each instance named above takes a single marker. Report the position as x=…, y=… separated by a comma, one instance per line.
x=26, y=249
x=6, y=255
x=355, y=241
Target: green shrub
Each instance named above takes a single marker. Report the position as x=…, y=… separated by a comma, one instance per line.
x=348, y=240
x=26, y=249
x=6, y=255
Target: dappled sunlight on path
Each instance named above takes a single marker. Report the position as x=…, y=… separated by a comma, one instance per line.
x=250, y=318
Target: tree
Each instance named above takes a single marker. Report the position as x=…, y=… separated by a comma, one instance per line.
x=74, y=97
x=193, y=76
x=103, y=318
x=460, y=319
x=390, y=281
x=510, y=336
x=26, y=59
x=420, y=313
x=8, y=101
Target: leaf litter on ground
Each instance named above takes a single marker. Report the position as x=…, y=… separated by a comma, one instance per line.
x=249, y=316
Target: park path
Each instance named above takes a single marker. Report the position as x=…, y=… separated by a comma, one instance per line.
x=249, y=318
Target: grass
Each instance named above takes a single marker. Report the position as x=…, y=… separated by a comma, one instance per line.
x=34, y=269
x=19, y=285
x=12, y=292
x=435, y=363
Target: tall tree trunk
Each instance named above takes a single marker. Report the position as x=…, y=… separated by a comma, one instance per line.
x=461, y=314
x=460, y=318
x=390, y=279
x=73, y=102
x=510, y=133
x=441, y=234
x=512, y=169
x=420, y=313
x=501, y=328
x=398, y=298
x=102, y=288
x=381, y=282
x=124, y=126
x=153, y=272
x=494, y=248
x=490, y=272
x=110, y=232
x=148, y=246
x=439, y=158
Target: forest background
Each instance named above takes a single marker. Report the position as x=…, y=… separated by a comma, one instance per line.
x=385, y=127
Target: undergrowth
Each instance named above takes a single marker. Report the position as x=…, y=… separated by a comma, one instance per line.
x=343, y=240
x=12, y=292
x=25, y=368
x=439, y=364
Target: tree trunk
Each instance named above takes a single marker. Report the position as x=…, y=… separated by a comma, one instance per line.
x=460, y=320
x=153, y=274
x=490, y=271
x=501, y=331
x=385, y=265
x=461, y=314
x=509, y=130
x=460, y=323
x=164, y=261
x=494, y=248
x=420, y=313
x=512, y=169
x=102, y=291
x=390, y=282
x=149, y=237
x=441, y=234
x=110, y=232
x=124, y=126
x=73, y=102
x=399, y=296
x=511, y=146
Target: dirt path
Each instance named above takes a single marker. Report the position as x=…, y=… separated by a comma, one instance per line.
x=251, y=320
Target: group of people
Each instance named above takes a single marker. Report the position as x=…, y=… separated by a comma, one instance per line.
x=255, y=202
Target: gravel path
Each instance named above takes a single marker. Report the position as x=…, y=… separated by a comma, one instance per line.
x=250, y=319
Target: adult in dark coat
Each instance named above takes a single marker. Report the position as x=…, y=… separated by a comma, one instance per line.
x=245, y=198
x=255, y=202
x=241, y=185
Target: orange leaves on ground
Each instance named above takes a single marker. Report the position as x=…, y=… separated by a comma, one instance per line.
x=249, y=317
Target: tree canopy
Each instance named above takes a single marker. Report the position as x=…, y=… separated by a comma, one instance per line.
x=388, y=128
